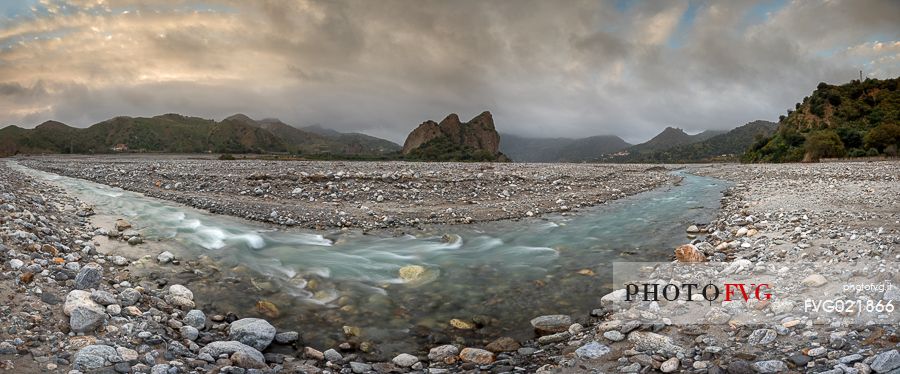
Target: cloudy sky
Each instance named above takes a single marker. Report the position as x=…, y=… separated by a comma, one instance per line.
x=543, y=68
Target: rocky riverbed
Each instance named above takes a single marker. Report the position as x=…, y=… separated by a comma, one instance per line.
x=363, y=195
x=73, y=302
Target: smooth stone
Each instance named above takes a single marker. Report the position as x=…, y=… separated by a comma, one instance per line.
x=477, y=356
x=189, y=332
x=254, y=332
x=770, y=366
x=333, y=356
x=215, y=349
x=287, y=337
x=195, y=318
x=550, y=324
x=814, y=280
x=359, y=367
x=165, y=257
x=441, y=353
x=669, y=365
x=405, y=360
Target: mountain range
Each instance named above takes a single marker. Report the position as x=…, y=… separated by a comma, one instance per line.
x=449, y=140
x=182, y=134
x=671, y=145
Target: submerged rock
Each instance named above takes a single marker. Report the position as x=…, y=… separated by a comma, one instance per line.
x=550, y=324
x=475, y=355
x=411, y=273
x=443, y=353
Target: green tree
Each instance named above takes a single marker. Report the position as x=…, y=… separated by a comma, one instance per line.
x=883, y=136
x=825, y=143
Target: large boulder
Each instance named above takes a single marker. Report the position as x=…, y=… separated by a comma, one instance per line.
x=254, y=332
x=85, y=315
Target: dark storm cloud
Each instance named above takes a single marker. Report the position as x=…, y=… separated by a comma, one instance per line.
x=573, y=68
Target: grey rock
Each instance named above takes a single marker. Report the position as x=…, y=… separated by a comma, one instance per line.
x=195, y=318
x=165, y=257
x=739, y=367
x=89, y=277
x=440, y=353
x=550, y=324
x=405, y=360
x=103, y=298
x=181, y=291
x=333, y=356
x=762, y=337
x=886, y=361
x=7, y=349
x=254, y=332
x=554, y=338
x=95, y=357
x=770, y=366
x=652, y=342
x=359, y=367
x=215, y=349
x=287, y=337
x=16, y=264
x=189, y=332
x=84, y=314
x=591, y=351
x=129, y=297
x=614, y=335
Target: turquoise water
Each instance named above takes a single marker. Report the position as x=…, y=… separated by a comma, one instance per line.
x=496, y=275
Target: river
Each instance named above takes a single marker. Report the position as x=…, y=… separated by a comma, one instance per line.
x=494, y=276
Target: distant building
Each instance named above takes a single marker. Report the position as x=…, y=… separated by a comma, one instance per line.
x=120, y=147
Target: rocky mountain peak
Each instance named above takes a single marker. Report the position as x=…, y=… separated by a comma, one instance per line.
x=478, y=134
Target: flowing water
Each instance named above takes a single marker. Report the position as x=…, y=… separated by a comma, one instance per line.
x=495, y=276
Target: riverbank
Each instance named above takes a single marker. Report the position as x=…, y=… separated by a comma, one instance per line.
x=362, y=195
x=814, y=228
